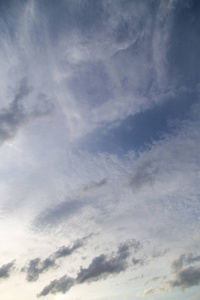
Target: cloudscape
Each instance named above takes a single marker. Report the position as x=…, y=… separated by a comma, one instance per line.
x=99, y=149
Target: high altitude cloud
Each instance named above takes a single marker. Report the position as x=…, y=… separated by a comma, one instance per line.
x=37, y=266
x=101, y=102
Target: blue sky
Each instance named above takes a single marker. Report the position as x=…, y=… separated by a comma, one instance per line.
x=99, y=149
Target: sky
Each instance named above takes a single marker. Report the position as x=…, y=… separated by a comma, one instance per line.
x=99, y=149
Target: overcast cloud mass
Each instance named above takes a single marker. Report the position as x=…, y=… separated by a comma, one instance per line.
x=99, y=149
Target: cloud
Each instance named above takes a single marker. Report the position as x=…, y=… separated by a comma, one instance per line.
x=13, y=117
x=184, y=259
x=6, y=269
x=65, y=251
x=101, y=267
x=183, y=278
x=61, y=285
x=93, y=186
x=37, y=266
x=58, y=213
x=124, y=249
x=138, y=261
x=144, y=176
x=186, y=278
x=146, y=292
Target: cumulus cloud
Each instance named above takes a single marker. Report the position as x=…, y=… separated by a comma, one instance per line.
x=6, y=269
x=184, y=259
x=186, y=278
x=183, y=278
x=65, y=251
x=101, y=267
x=37, y=266
x=61, y=285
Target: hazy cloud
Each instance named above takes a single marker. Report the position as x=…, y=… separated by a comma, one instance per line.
x=144, y=176
x=58, y=213
x=146, y=292
x=95, y=185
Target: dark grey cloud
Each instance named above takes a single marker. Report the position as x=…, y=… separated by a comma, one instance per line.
x=124, y=249
x=6, y=269
x=61, y=285
x=58, y=213
x=186, y=278
x=138, y=261
x=145, y=175
x=95, y=185
x=184, y=259
x=13, y=117
x=65, y=251
x=101, y=267
x=37, y=266
x=183, y=277
x=159, y=253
